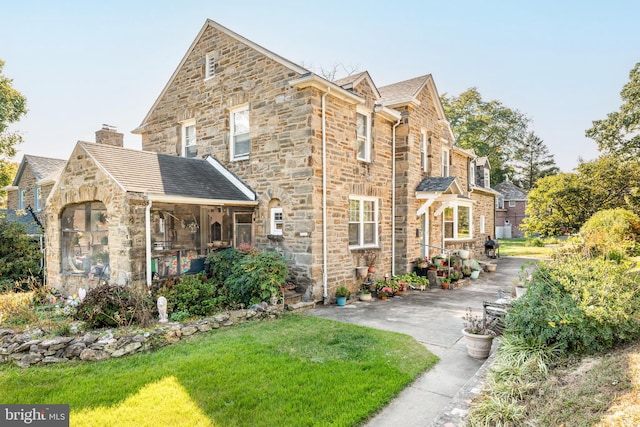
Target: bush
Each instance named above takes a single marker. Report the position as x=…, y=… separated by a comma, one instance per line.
x=257, y=277
x=536, y=242
x=192, y=296
x=222, y=263
x=108, y=306
x=578, y=304
x=612, y=233
x=20, y=255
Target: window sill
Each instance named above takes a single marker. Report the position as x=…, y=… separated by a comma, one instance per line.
x=464, y=239
x=275, y=237
x=363, y=248
x=238, y=159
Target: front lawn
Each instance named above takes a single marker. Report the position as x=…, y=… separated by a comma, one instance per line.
x=524, y=248
x=297, y=370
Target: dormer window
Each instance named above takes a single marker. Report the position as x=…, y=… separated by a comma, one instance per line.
x=472, y=173
x=445, y=161
x=487, y=178
x=363, y=135
x=210, y=66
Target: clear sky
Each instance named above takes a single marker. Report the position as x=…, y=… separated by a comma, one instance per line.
x=84, y=63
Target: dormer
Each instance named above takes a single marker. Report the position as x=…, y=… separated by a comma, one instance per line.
x=483, y=172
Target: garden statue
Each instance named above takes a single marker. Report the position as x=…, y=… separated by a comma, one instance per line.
x=82, y=293
x=162, y=309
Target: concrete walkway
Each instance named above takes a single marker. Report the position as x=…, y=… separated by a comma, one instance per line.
x=434, y=317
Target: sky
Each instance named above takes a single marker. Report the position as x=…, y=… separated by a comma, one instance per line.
x=81, y=64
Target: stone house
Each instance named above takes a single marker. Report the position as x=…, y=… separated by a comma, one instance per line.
x=511, y=206
x=332, y=175
x=32, y=184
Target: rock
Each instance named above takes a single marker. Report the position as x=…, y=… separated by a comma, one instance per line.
x=251, y=313
x=89, y=338
x=75, y=349
x=221, y=317
x=111, y=346
x=26, y=346
x=28, y=360
x=55, y=341
x=4, y=332
x=51, y=359
x=227, y=323
x=189, y=330
x=129, y=348
x=204, y=327
x=215, y=325
x=138, y=338
x=93, y=355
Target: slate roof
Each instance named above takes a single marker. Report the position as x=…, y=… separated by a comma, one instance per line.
x=510, y=191
x=27, y=220
x=165, y=175
x=435, y=183
x=402, y=91
x=42, y=167
x=348, y=79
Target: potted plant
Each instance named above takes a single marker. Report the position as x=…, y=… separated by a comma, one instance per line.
x=384, y=292
x=341, y=295
x=478, y=335
x=455, y=276
x=445, y=281
x=466, y=271
x=365, y=295
x=475, y=274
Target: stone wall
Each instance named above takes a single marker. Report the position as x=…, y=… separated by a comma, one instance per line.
x=34, y=348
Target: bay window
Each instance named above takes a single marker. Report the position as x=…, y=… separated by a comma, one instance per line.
x=457, y=222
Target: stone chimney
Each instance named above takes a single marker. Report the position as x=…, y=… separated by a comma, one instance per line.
x=109, y=135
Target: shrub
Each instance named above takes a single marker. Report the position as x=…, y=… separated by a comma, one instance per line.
x=612, y=232
x=578, y=304
x=17, y=308
x=114, y=306
x=222, y=263
x=20, y=255
x=257, y=277
x=536, y=242
x=192, y=296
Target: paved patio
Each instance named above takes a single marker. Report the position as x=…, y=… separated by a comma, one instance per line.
x=434, y=317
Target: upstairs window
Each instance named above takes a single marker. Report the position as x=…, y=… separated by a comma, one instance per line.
x=189, y=148
x=36, y=199
x=240, y=142
x=499, y=202
x=363, y=222
x=472, y=173
x=20, y=198
x=210, y=66
x=363, y=130
x=424, y=151
x=445, y=162
x=487, y=178
x=512, y=203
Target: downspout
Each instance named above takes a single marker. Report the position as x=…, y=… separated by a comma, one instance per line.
x=393, y=198
x=325, y=295
x=147, y=227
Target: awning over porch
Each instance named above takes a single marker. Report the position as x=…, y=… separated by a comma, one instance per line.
x=173, y=179
x=443, y=189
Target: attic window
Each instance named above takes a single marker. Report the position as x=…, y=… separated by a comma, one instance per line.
x=210, y=66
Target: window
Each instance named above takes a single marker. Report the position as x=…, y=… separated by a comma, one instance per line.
x=512, y=203
x=424, y=151
x=500, y=202
x=277, y=221
x=482, y=227
x=445, y=162
x=487, y=178
x=472, y=173
x=20, y=198
x=363, y=128
x=85, y=240
x=189, y=148
x=210, y=66
x=457, y=222
x=36, y=199
x=240, y=142
x=363, y=222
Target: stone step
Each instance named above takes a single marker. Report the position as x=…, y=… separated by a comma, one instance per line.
x=292, y=297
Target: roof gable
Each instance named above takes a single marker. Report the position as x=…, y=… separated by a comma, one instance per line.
x=351, y=82
x=41, y=167
x=510, y=191
x=212, y=24
x=162, y=175
x=438, y=184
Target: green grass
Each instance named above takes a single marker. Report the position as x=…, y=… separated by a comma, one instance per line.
x=522, y=248
x=297, y=370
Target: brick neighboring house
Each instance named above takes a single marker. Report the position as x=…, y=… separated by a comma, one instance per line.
x=332, y=175
x=511, y=206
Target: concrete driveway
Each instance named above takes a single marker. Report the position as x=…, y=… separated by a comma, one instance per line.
x=434, y=318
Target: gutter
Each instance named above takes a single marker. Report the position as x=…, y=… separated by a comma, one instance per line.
x=325, y=295
x=393, y=197
x=147, y=226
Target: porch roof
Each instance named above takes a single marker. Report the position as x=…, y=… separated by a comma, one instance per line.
x=435, y=184
x=165, y=178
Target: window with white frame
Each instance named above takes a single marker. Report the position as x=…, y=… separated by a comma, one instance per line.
x=189, y=148
x=363, y=221
x=482, y=226
x=210, y=66
x=424, y=151
x=445, y=161
x=20, y=198
x=472, y=173
x=457, y=222
x=512, y=203
x=500, y=202
x=487, y=178
x=277, y=221
x=36, y=199
x=239, y=130
x=363, y=131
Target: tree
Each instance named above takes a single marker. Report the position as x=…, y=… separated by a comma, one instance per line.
x=8, y=171
x=532, y=161
x=564, y=202
x=20, y=255
x=12, y=107
x=619, y=133
x=490, y=128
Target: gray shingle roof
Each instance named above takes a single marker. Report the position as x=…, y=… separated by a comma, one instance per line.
x=25, y=219
x=402, y=91
x=161, y=174
x=510, y=191
x=435, y=183
x=42, y=167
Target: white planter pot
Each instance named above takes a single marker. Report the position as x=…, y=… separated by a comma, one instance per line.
x=362, y=272
x=463, y=253
x=478, y=346
x=365, y=297
x=475, y=274
x=520, y=290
